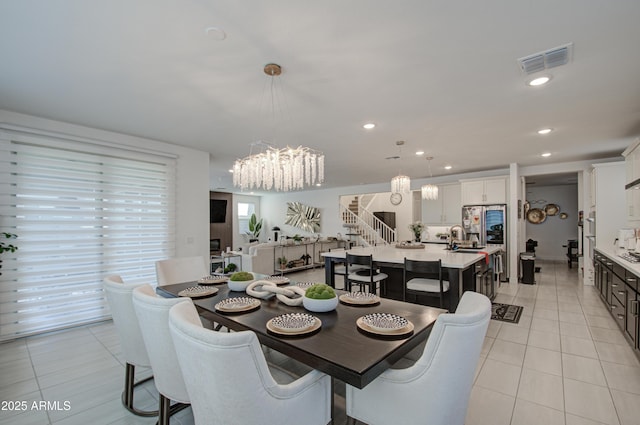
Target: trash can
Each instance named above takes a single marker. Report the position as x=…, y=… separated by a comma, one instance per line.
x=527, y=267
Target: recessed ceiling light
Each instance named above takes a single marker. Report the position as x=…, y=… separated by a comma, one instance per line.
x=318, y=184
x=215, y=33
x=545, y=131
x=231, y=170
x=546, y=154
x=419, y=153
x=448, y=167
x=369, y=125
x=539, y=81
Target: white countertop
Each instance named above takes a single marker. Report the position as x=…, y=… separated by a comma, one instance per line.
x=614, y=254
x=431, y=252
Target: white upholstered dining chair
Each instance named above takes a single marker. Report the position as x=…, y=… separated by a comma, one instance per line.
x=436, y=388
x=119, y=298
x=229, y=382
x=181, y=269
x=153, y=316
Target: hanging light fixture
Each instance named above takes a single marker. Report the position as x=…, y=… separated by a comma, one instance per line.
x=280, y=169
x=430, y=191
x=400, y=183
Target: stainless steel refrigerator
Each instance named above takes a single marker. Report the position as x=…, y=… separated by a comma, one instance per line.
x=489, y=224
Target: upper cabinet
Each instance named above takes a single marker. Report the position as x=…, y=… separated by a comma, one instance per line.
x=488, y=191
x=446, y=210
x=632, y=180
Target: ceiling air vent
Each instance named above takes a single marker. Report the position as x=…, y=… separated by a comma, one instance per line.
x=548, y=59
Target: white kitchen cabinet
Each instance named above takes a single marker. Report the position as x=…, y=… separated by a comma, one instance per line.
x=632, y=174
x=594, y=188
x=609, y=192
x=488, y=191
x=446, y=210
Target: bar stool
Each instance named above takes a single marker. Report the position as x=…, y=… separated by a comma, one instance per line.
x=364, y=276
x=425, y=278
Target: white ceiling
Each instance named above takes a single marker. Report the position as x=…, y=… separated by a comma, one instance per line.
x=440, y=75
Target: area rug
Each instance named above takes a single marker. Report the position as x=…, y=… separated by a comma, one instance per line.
x=506, y=312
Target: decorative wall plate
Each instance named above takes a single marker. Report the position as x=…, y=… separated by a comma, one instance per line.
x=536, y=216
x=303, y=216
x=551, y=209
x=564, y=215
x=197, y=291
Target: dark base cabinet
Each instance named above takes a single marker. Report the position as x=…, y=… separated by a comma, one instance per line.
x=618, y=288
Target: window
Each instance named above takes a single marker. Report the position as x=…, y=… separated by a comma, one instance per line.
x=82, y=211
x=245, y=210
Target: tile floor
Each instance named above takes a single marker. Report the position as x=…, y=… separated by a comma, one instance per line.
x=564, y=363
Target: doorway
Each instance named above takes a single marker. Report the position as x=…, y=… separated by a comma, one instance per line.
x=552, y=214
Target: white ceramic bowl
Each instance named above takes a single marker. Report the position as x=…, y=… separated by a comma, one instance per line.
x=240, y=285
x=320, y=306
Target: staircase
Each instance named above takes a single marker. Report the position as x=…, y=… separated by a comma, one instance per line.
x=370, y=230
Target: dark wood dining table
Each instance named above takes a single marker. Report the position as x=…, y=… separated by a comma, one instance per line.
x=339, y=349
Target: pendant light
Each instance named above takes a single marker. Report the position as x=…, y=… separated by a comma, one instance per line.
x=280, y=169
x=400, y=183
x=430, y=191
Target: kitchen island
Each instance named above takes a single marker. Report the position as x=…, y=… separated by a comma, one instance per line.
x=465, y=269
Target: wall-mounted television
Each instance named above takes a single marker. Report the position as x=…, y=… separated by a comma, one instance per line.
x=217, y=211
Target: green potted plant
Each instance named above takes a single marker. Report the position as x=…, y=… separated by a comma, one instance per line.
x=240, y=280
x=297, y=238
x=255, y=227
x=417, y=228
x=6, y=246
x=282, y=262
x=320, y=298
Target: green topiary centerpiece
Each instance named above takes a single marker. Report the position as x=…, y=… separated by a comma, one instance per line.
x=239, y=281
x=320, y=291
x=241, y=276
x=320, y=298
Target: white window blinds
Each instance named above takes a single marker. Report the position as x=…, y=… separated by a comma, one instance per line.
x=81, y=211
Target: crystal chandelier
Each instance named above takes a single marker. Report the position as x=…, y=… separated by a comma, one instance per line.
x=400, y=183
x=280, y=169
x=430, y=191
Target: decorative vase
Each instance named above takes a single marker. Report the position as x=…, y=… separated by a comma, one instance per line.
x=417, y=237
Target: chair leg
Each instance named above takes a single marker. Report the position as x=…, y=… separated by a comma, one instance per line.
x=127, y=394
x=165, y=404
x=167, y=410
